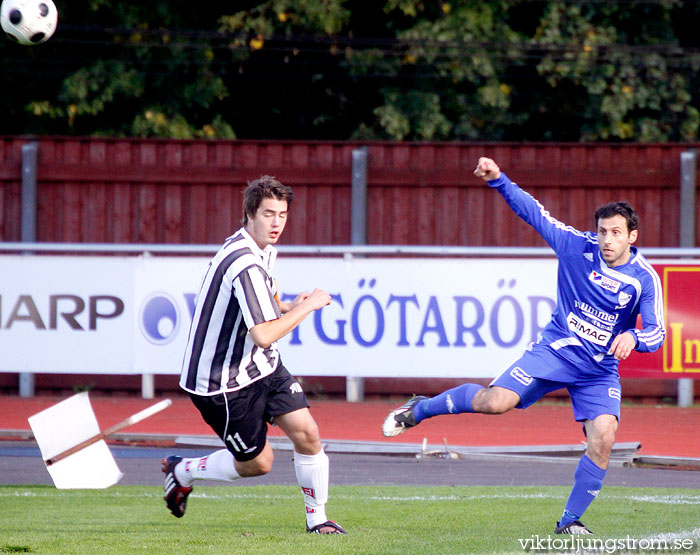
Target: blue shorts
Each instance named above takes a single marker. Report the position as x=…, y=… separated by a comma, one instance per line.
x=591, y=395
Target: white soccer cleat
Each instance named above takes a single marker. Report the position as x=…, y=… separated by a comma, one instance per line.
x=401, y=419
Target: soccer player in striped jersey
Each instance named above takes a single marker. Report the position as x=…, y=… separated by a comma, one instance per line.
x=232, y=369
x=603, y=284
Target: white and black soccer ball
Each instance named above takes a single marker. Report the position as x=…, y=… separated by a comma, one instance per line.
x=28, y=21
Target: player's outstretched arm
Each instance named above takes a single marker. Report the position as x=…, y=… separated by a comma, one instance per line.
x=525, y=206
x=487, y=169
x=266, y=333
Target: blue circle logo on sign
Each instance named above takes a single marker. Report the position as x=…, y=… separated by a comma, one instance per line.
x=159, y=319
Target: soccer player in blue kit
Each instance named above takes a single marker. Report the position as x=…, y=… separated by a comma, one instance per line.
x=603, y=284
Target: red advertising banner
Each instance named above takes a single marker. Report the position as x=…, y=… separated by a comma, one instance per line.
x=680, y=355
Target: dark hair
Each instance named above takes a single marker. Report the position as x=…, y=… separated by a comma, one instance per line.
x=262, y=188
x=618, y=209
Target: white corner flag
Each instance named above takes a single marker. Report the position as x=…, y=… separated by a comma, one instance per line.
x=72, y=446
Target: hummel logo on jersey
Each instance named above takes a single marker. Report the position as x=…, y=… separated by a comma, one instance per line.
x=604, y=281
x=523, y=377
x=587, y=331
x=588, y=256
x=593, y=492
x=202, y=464
x=614, y=393
x=295, y=388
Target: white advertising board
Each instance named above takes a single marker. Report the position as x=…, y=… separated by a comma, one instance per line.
x=66, y=314
x=389, y=317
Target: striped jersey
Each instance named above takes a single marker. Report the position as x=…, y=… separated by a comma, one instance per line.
x=595, y=302
x=237, y=293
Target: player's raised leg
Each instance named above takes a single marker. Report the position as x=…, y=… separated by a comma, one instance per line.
x=220, y=466
x=244, y=432
x=516, y=386
x=311, y=468
x=467, y=397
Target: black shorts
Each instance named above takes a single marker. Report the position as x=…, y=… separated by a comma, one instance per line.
x=240, y=417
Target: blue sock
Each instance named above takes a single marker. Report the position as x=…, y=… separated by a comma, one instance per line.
x=588, y=480
x=453, y=401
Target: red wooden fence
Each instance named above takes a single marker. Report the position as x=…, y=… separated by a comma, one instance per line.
x=170, y=191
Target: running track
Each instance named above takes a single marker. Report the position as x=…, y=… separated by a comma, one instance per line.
x=662, y=430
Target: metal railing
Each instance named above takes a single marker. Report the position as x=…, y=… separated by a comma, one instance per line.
x=324, y=250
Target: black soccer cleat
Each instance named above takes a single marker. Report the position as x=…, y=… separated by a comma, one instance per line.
x=401, y=419
x=328, y=527
x=175, y=493
x=575, y=527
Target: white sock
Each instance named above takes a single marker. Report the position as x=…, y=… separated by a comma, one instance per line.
x=218, y=466
x=312, y=475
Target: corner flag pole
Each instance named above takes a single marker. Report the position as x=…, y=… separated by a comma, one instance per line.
x=133, y=419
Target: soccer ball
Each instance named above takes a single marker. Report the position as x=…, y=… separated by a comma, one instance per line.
x=28, y=21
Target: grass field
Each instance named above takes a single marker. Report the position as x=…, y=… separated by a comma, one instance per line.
x=269, y=519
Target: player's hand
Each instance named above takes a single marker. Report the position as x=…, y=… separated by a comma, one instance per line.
x=487, y=169
x=318, y=299
x=623, y=345
x=300, y=298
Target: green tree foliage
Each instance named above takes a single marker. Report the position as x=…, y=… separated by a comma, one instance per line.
x=124, y=69
x=343, y=69
x=626, y=62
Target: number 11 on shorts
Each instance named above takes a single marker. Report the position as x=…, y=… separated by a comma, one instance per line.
x=238, y=444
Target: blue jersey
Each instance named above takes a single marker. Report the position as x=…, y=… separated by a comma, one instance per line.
x=595, y=303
